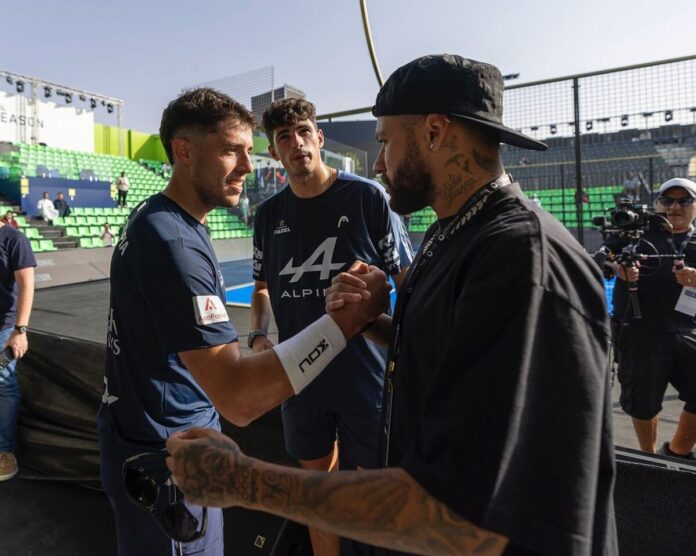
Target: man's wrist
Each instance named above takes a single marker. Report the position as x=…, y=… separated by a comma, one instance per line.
x=253, y=334
x=21, y=328
x=346, y=324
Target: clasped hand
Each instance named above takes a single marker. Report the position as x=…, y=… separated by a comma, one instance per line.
x=363, y=289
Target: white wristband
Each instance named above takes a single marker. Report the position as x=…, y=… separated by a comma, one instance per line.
x=307, y=353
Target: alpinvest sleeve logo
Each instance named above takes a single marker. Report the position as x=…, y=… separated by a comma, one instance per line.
x=313, y=355
x=209, y=309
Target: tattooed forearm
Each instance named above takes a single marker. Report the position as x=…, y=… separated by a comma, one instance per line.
x=385, y=508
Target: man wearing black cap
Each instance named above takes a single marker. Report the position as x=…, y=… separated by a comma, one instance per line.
x=657, y=346
x=496, y=435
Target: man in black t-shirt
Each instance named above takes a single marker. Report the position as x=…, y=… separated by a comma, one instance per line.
x=660, y=347
x=496, y=434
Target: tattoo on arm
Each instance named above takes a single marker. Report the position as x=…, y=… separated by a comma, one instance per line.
x=385, y=508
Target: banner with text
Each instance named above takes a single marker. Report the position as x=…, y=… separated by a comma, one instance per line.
x=62, y=126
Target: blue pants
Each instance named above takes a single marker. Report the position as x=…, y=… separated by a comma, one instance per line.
x=9, y=399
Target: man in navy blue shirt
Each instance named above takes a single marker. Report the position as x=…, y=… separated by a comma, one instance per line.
x=303, y=236
x=173, y=359
x=16, y=296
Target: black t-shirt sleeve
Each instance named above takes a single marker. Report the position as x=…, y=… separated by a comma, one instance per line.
x=510, y=429
x=179, y=285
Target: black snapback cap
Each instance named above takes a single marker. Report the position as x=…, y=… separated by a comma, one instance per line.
x=452, y=85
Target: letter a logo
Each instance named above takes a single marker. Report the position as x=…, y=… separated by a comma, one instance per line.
x=209, y=304
x=324, y=252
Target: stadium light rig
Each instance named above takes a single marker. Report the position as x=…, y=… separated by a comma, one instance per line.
x=624, y=120
x=47, y=91
x=553, y=129
x=511, y=76
x=20, y=87
x=669, y=116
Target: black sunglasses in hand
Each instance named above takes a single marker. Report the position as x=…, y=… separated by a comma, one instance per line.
x=143, y=477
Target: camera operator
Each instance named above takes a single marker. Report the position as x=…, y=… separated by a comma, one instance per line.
x=659, y=346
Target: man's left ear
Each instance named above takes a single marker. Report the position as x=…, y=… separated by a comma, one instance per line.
x=320, y=135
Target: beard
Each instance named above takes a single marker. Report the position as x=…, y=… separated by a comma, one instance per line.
x=412, y=188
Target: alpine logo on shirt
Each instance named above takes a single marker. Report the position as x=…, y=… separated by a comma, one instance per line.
x=321, y=261
x=209, y=309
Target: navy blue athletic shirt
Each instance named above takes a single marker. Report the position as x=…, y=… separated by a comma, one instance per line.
x=299, y=246
x=167, y=296
x=15, y=254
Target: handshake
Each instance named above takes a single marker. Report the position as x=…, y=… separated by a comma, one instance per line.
x=357, y=297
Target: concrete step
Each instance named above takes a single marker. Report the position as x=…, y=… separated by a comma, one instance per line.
x=66, y=243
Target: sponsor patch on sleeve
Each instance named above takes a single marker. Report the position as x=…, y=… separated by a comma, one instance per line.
x=209, y=309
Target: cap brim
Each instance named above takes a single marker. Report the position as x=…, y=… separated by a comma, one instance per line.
x=686, y=188
x=507, y=135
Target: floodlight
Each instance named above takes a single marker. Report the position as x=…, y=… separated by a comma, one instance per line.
x=534, y=128
x=588, y=125
x=93, y=103
x=553, y=129
x=20, y=86
x=109, y=108
x=47, y=91
x=9, y=80
x=669, y=116
x=624, y=120
x=83, y=98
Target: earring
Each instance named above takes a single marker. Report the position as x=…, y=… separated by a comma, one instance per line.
x=432, y=146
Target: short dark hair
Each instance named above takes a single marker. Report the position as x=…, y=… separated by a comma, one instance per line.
x=201, y=110
x=287, y=111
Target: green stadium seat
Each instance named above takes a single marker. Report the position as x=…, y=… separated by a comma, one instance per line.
x=86, y=242
x=72, y=231
x=83, y=231
x=35, y=246
x=32, y=233
x=94, y=231
x=47, y=245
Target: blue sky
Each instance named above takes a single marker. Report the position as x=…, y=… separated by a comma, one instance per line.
x=145, y=52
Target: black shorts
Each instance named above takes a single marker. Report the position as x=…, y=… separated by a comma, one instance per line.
x=648, y=361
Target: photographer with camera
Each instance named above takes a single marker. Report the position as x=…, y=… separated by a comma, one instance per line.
x=654, y=259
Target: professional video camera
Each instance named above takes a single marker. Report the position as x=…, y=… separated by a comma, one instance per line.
x=627, y=219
